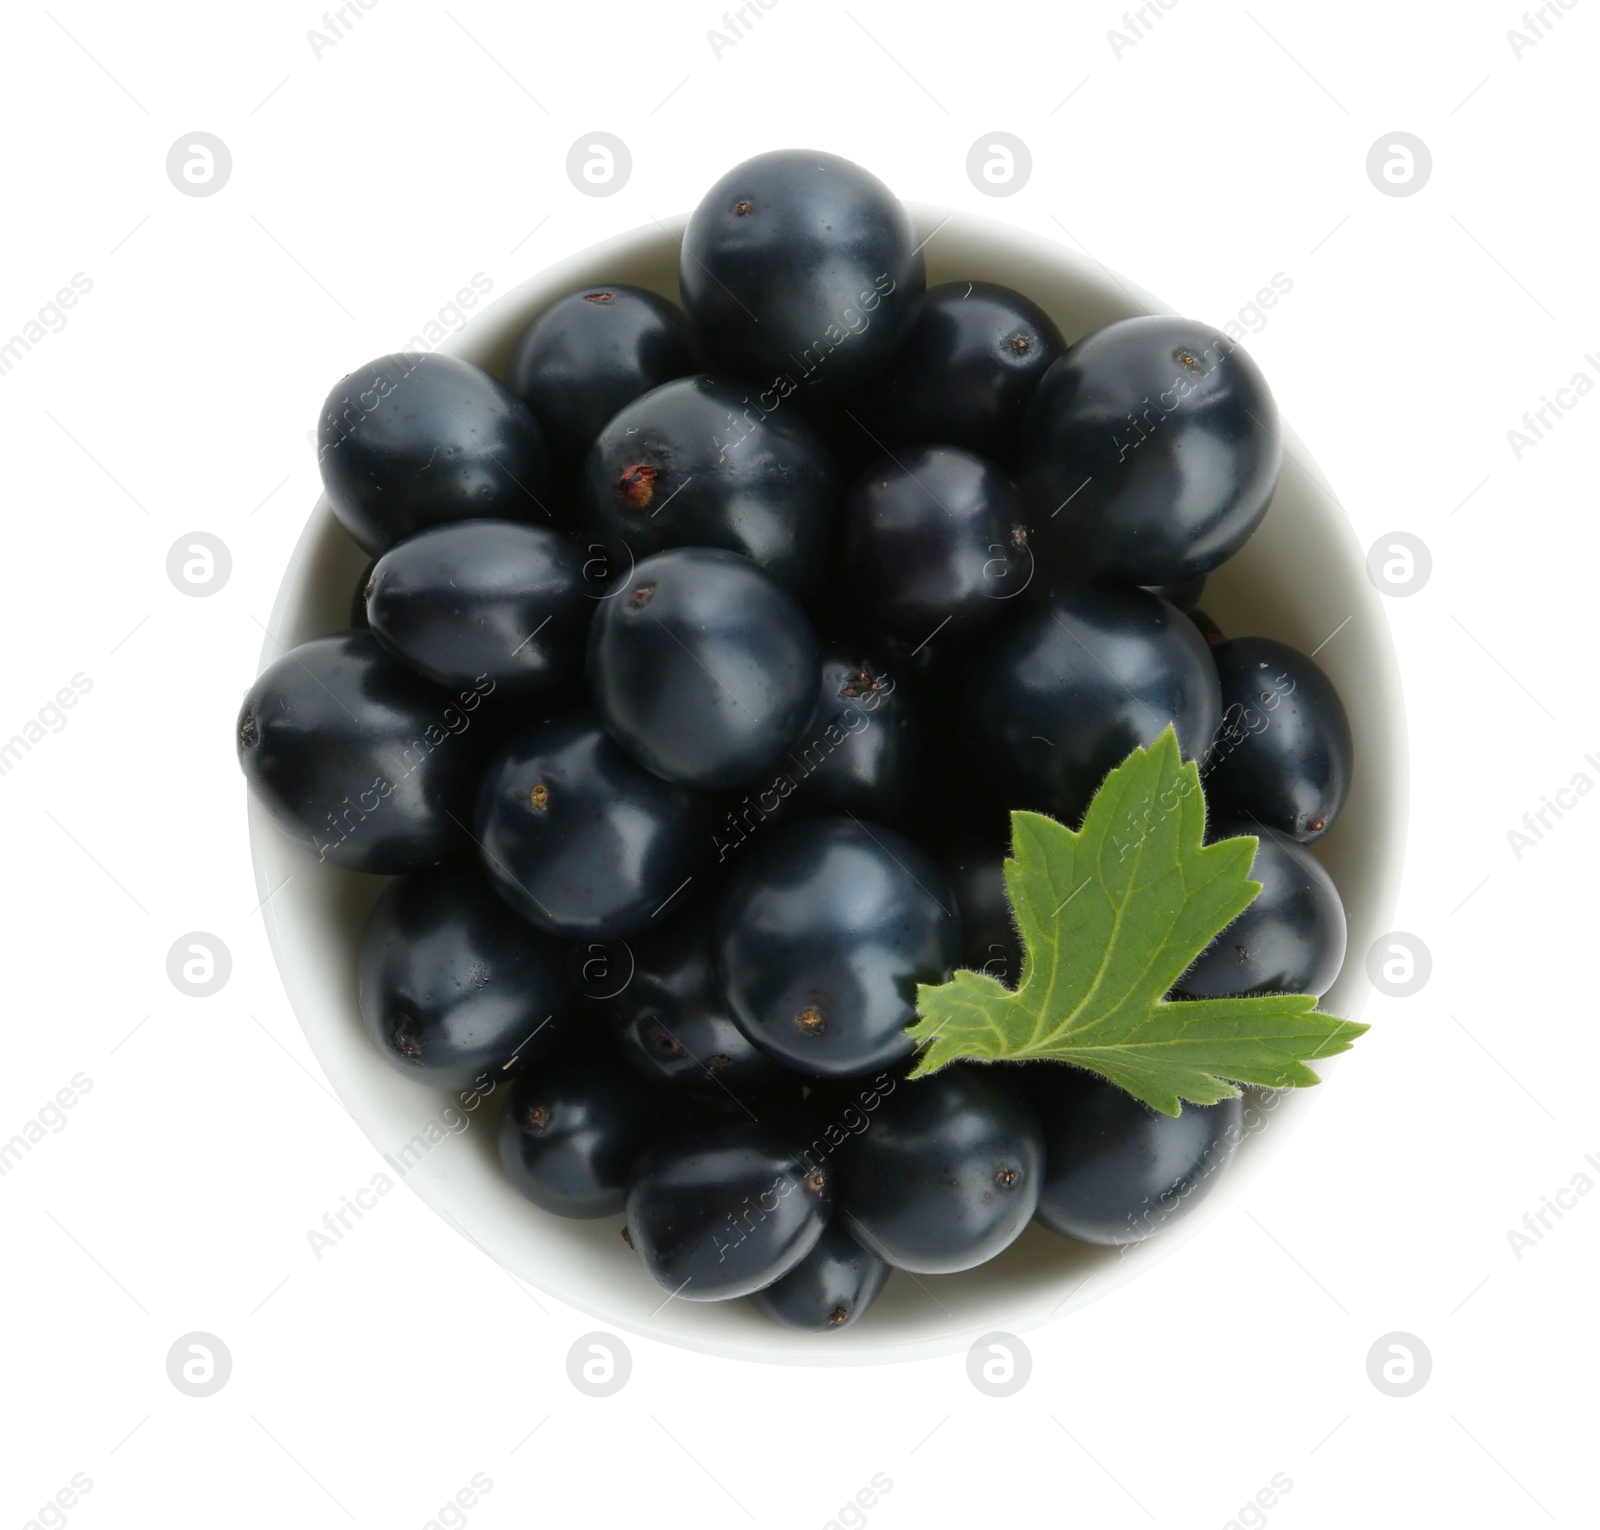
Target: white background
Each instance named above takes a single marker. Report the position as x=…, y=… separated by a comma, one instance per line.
x=368, y=185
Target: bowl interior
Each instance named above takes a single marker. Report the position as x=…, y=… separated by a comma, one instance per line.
x=1301, y=578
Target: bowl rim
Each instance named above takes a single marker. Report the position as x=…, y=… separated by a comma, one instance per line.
x=503, y=317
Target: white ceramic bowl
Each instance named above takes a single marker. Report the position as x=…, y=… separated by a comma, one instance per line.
x=1300, y=578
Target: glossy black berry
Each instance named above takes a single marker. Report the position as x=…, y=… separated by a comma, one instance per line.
x=865, y=750
x=366, y=764
x=974, y=866
x=673, y=1023
x=358, y=598
x=1117, y=1171
x=601, y=969
x=581, y=840
x=801, y=271
x=933, y=545
x=829, y=1289
x=571, y=1132
x=1067, y=691
x=590, y=353
x=1185, y=595
x=946, y=1174
x=704, y=667
x=1149, y=452
x=725, y=1209
x=414, y=440
x=484, y=601
x=824, y=930
x=1285, y=755
x=1209, y=630
x=700, y=463
x=1292, y=937
x=966, y=373
x=455, y=990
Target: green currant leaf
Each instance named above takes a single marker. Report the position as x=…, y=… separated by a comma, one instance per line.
x=1111, y=916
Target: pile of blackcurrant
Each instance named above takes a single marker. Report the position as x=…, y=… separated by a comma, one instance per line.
x=700, y=662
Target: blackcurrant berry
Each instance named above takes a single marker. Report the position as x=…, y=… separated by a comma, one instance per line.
x=823, y=932
x=704, y=668
x=1209, y=630
x=699, y=463
x=582, y=841
x=415, y=440
x=358, y=598
x=1149, y=453
x=484, y=601
x=801, y=271
x=455, y=990
x=1185, y=595
x=725, y=1209
x=365, y=763
x=1284, y=756
x=1066, y=692
x=590, y=353
x=946, y=1174
x=974, y=866
x=1292, y=937
x=829, y=1289
x=673, y=1024
x=966, y=373
x=571, y=1132
x=1117, y=1171
x=865, y=750
x=933, y=544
